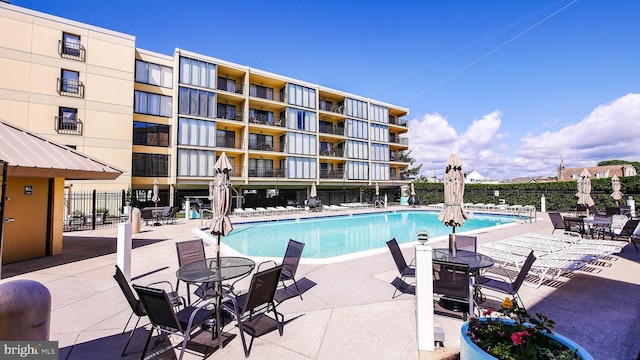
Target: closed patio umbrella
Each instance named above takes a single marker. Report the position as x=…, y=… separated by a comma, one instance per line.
x=584, y=190
x=413, y=199
x=453, y=214
x=156, y=199
x=314, y=192
x=615, y=186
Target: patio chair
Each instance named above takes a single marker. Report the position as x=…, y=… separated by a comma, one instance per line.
x=468, y=243
x=557, y=220
x=404, y=269
x=189, y=252
x=509, y=287
x=165, y=319
x=574, y=225
x=452, y=283
x=628, y=232
x=135, y=304
x=251, y=309
x=290, y=262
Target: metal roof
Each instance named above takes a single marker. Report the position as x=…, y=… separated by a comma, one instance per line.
x=29, y=155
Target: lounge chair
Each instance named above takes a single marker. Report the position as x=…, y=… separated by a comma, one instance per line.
x=509, y=287
x=263, y=211
x=628, y=232
x=404, y=269
x=256, y=303
x=239, y=212
x=135, y=304
x=165, y=320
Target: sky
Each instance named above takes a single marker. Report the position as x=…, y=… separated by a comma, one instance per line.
x=510, y=86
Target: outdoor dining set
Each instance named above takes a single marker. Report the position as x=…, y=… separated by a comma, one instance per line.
x=214, y=299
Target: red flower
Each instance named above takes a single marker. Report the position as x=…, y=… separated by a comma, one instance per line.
x=518, y=337
x=487, y=312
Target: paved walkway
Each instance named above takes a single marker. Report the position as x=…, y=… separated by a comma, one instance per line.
x=349, y=314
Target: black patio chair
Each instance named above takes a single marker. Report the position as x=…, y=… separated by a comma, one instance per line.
x=575, y=225
x=468, y=243
x=557, y=220
x=165, y=319
x=404, y=269
x=251, y=309
x=189, y=252
x=628, y=232
x=290, y=262
x=136, y=306
x=451, y=282
x=509, y=287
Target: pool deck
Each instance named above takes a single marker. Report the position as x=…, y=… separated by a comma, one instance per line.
x=348, y=314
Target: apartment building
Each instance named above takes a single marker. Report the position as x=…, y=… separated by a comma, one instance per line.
x=168, y=117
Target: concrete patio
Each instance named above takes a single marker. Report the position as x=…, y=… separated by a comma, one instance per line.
x=348, y=314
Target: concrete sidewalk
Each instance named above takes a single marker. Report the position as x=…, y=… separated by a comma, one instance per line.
x=349, y=314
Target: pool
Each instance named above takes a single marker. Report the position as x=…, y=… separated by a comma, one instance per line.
x=328, y=237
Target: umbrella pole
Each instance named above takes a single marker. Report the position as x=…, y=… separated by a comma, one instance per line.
x=219, y=295
x=452, y=242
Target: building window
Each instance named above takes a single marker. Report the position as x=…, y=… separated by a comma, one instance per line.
x=67, y=121
x=226, y=139
x=357, y=150
x=150, y=134
x=197, y=102
x=198, y=73
x=301, y=168
x=152, y=104
x=150, y=165
x=154, y=74
x=380, y=171
x=379, y=113
x=260, y=168
x=379, y=132
x=226, y=111
x=380, y=152
x=260, y=142
x=261, y=91
x=226, y=84
x=196, y=163
x=301, y=120
x=196, y=132
x=357, y=170
x=69, y=83
x=303, y=144
x=356, y=108
x=301, y=96
x=70, y=47
x=357, y=129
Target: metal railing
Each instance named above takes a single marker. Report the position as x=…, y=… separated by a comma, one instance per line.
x=90, y=210
x=229, y=86
x=268, y=146
x=68, y=126
x=228, y=115
x=69, y=87
x=229, y=143
x=267, y=120
x=335, y=130
x=70, y=50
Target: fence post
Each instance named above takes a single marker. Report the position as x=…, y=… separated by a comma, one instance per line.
x=93, y=209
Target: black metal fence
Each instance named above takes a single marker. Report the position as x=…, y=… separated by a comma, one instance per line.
x=90, y=210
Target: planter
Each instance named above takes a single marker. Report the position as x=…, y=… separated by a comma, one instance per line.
x=470, y=351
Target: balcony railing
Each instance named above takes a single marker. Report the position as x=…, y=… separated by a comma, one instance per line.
x=70, y=50
x=232, y=87
x=68, y=126
x=268, y=146
x=267, y=173
x=395, y=121
x=224, y=142
x=399, y=140
x=68, y=87
x=333, y=152
x=331, y=174
x=335, y=130
x=266, y=93
x=230, y=115
x=265, y=120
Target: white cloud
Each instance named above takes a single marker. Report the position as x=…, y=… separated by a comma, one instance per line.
x=608, y=132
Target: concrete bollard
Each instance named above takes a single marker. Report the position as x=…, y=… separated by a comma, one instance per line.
x=25, y=311
x=135, y=221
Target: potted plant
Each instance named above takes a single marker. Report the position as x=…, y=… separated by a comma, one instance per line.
x=512, y=333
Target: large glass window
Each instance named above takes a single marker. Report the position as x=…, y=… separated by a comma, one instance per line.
x=152, y=104
x=379, y=113
x=261, y=91
x=260, y=142
x=380, y=152
x=260, y=167
x=226, y=139
x=301, y=168
x=357, y=129
x=357, y=170
x=71, y=44
x=70, y=81
x=197, y=163
x=154, y=74
x=356, y=108
x=198, y=73
x=196, y=132
x=301, y=96
x=301, y=119
x=379, y=132
x=67, y=119
x=357, y=149
x=150, y=165
x=261, y=116
x=303, y=144
x=197, y=102
x=380, y=171
x=150, y=134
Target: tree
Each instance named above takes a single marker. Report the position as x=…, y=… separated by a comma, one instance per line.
x=409, y=172
x=635, y=164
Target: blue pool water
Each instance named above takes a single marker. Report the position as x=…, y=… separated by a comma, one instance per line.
x=341, y=235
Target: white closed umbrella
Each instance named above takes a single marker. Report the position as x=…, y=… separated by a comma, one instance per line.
x=584, y=190
x=314, y=192
x=615, y=186
x=156, y=199
x=453, y=214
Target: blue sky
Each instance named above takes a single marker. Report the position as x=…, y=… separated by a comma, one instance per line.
x=511, y=86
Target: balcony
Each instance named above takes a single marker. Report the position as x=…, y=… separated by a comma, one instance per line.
x=266, y=120
x=71, y=50
x=229, y=143
x=266, y=93
x=337, y=153
x=69, y=87
x=399, y=140
x=335, y=130
x=401, y=122
x=230, y=115
x=268, y=146
x=68, y=126
x=331, y=174
x=267, y=173
x=230, y=86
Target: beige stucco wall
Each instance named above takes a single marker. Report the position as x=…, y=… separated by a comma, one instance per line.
x=29, y=97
